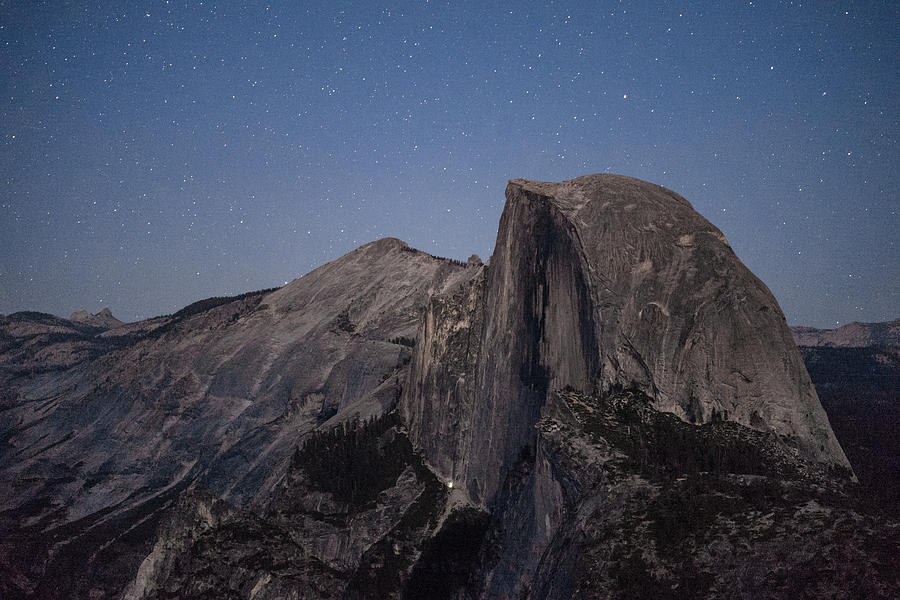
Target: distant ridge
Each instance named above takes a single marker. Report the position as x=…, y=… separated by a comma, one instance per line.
x=851, y=335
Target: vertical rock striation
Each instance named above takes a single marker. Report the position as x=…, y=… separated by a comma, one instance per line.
x=440, y=395
x=540, y=334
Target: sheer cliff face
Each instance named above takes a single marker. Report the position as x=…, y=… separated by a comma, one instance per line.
x=681, y=316
x=604, y=282
x=540, y=334
x=440, y=393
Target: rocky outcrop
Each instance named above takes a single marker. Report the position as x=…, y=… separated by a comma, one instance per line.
x=606, y=282
x=440, y=395
x=597, y=284
x=654, y=507
x=32, y=343
x=103, y=319
x=322, y=536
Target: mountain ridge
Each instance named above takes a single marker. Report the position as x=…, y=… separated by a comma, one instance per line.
x=340, y=435
x=850, y=335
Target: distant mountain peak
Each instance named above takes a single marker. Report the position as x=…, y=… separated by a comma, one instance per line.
x=103, y=319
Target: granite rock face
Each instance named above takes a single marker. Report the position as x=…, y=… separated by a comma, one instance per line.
x=603, y=408
x=102, y=432
x=599, y=284
x=679, y=315
x=440, y=395
x=607, y=282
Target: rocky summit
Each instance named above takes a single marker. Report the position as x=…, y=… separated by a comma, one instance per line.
x=611, y=406
x=103, y=319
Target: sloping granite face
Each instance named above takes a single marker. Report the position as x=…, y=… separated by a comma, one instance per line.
x=104, y=432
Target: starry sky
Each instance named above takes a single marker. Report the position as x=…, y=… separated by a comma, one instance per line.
x=153, y=153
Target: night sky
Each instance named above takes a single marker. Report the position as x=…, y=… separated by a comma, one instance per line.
x=155, y=153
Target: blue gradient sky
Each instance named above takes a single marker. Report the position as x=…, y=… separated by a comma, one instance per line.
x=154, y=153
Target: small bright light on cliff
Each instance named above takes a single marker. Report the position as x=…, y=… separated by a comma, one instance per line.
x=450, y=484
